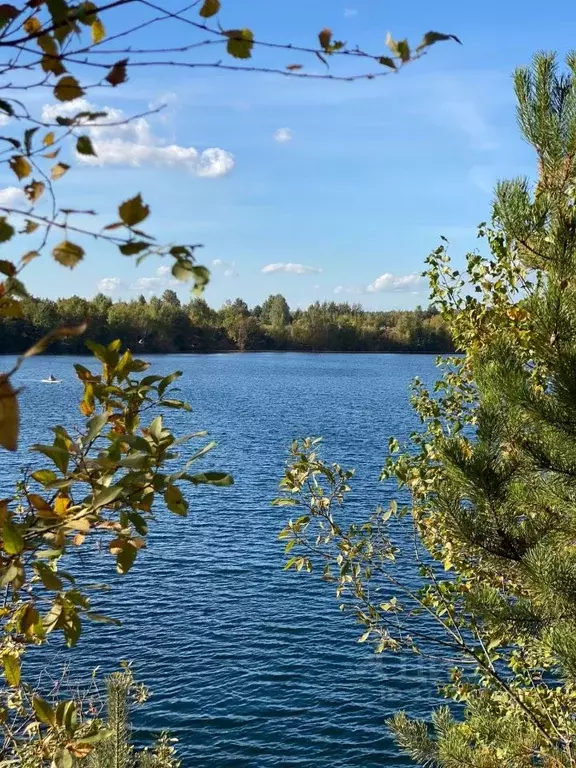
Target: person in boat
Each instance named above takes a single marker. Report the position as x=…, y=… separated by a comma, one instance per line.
x=52, y=377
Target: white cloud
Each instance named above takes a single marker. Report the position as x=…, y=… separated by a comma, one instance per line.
x=393, y=283
x=282, y=135
x=109, y=284
x=349, y=12
x=134, y=144
x=228, y=267
x=10, y=196
x=163, y=270
x=348, y=289
x=290, y=268
x=148, y=284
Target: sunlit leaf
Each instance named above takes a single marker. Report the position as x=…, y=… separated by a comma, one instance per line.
x=13, y=543
x=98, y=31
x=68, y=254
x=240, y=43
x=32, y=25
x=44, y=711
x=20, y=166
x=11, y=664
x=58, y=171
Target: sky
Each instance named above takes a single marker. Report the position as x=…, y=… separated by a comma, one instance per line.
x=315, y=189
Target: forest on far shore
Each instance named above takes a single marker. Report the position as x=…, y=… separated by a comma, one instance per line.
x=165, y=324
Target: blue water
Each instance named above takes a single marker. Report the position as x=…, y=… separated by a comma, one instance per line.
x=250, y=665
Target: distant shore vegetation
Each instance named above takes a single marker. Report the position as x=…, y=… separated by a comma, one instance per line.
x=166, y=325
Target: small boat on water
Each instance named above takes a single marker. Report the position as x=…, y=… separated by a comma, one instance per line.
x=51, y=380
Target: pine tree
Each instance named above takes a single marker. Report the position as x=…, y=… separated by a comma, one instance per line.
x=492, y=478
x=118, y=751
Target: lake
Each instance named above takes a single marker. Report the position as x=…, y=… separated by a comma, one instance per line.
x=250, y=665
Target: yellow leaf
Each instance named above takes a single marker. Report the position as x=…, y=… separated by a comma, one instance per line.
x=68, y=254
x=20, y=166
x=61, y=505
x=98, y=31
x=68, y=89
x=48, y=139
x=58, y=171
x=9, y=416
x=240, y=43
x=32, y=25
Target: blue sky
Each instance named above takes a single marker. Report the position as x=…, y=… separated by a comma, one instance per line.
x=321, y=190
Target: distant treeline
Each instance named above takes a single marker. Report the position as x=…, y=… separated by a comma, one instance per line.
x=166, y=325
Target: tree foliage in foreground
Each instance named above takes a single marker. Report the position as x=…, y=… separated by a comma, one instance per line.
x=165, y=325
x=100, y=487
x=490, y=481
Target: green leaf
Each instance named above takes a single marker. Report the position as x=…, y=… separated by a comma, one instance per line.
x=95, y=426
x=155, y=428
x=106, y=496
x=44, y=712
x=210, y=8
x=211, y=478
x=436, y=37
x=44, y=476
x=6, y=230
x=6, y=107
x=132, y=248
x=13, y=543
x=66, y=715
x=240, y=43
x=68, y=254
x=49, y=578
x=84, y=146
x=133, y=211
x=98, y=617
x=68, y=89
x=175, y=501
x=11, y=664
x=125, y=558
x=386, y=61
x=60, y=456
